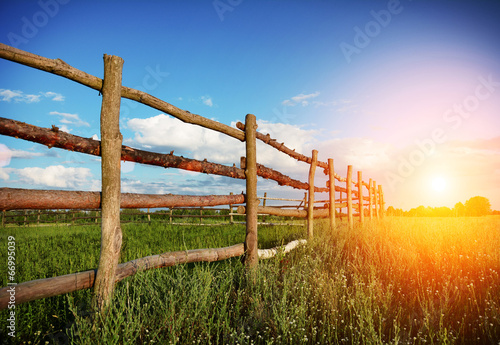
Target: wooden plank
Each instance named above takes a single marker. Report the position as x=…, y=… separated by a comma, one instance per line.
x=375, y=199
x=252, y=202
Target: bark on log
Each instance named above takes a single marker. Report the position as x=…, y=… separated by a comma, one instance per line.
x=61, y=68
x=34, y=199
x=55, y=138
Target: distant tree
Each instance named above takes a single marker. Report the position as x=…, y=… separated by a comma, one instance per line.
x=442, y=211
x=477, y=206
x=390, y=211
x=459, y=209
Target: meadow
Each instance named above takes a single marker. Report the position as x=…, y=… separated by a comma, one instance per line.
x=400, y=280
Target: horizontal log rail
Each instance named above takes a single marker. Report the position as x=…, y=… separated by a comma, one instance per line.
x=282, y=179
x=43, y=288
x=49, y=287
x=281, y=147
x=276, y=211
x=61, y=68
x=15, y=199
x=55, y=138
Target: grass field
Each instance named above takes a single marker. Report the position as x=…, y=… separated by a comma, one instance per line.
x=396, y=281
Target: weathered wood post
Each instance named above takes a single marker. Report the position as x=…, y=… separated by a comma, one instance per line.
x=251, y=249
x=370, y=196
x=231, y=211
x=111, y=146
x=331, y=189
x=340, y=201
x=264, y=204
x=361, y=208
x=375, y=199
x=381, y=201
x=310, y=204
x=349, y=196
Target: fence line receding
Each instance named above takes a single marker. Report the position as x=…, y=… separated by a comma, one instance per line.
x=110, y=198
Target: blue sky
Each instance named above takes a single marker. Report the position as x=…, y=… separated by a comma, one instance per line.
x=406, y=91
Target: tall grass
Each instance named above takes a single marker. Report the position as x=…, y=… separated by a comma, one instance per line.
x=396, y=281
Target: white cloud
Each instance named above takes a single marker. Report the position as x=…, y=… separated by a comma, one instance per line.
x=17, y=96
x=69, y=119
x=4, y=173
x=54, y=96
x=165, y=133
x=57, y=176
x=5, y=155
x=162, y=133
x=207, y=100
x=301, y=99
x=7, y=95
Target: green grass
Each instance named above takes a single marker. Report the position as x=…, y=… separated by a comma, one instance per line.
x=397, y=281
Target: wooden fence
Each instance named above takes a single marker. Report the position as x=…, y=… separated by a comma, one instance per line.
x=110, y=200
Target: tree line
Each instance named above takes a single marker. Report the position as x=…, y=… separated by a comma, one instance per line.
x=474, y=207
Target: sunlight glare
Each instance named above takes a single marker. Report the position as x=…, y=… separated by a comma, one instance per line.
x=438, y=184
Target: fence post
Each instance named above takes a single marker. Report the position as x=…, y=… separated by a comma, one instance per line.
x=360, y=197
x=381, y=201
x=370, y=196
x=349, y=196
x=310, y=203
x=251, y=249
x=375, y=199
x=231, y=211
x=340, y=201
x=264, y=204
x=331, y=189
x=111, y=145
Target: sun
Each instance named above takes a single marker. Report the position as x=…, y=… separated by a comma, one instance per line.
x=438, y=184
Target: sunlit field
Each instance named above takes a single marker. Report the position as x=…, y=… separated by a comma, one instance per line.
x=395, y=281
